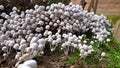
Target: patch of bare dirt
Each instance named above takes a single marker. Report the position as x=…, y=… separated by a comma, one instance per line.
x=9, y=63
x=42, y=61
x=49, y=62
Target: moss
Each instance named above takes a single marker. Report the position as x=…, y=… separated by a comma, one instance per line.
x=114, y=54
x=72, y=59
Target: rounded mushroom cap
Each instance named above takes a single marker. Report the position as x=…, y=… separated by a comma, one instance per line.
x=1, y=7
x=14, y=9
x=4, y=54
x=22, y=47
x=16, y=46
x=85, y=54
x=40, y=47
x=103, y=54
x=4, y=48
x=23, y=66
x=42, y=41
x=34, y=45
x=108, y=40
x=17, y=57
x=11, y=43
x=33, y=40
x=30, y=63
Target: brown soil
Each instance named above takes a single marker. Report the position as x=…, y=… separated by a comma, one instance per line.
x=42, y=61
x=47, y=62
x=9, y=63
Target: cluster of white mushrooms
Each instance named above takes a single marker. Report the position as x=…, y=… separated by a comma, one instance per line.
x=58, y=24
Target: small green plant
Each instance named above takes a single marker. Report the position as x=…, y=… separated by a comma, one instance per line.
x=72, y=59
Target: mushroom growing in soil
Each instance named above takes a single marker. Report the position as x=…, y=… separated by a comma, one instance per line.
x=29, y=31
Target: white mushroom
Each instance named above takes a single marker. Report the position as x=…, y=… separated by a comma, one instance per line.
x=16, y=46
x=1, y=7
x=34, y=39
x=34, y=45
x=30, y=63
x=103, y=54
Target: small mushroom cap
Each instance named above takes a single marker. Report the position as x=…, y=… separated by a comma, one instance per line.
x=1, y=7
x=42, y=41
x=103, y=54
x=16, y=46
x=40, y=47
x=34, y=45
